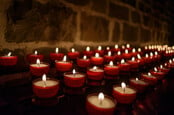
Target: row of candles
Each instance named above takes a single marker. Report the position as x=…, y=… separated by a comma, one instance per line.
x=126, y=61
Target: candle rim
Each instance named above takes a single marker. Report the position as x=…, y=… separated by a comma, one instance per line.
x=47, y=79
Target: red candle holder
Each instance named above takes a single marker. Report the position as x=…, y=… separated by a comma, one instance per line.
x=152, y=80
x=139, y=85
x=8, y=60
x=96, y=106
x=96, y=60
x=124, y=95
x=95, y=73
x=39, y=69
x=108, y=57
x=118, y=56
x=111, y=71
x=134, y=65
x=45, y=89
x=74, y=79
x=88, y=53
x=124, y=66
x=56, y=56
x=160, y=75
x=33, y=57
x=63, y=66
x=83, y=63
x=163, y=69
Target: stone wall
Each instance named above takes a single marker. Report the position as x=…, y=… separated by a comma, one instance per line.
x=26, y=25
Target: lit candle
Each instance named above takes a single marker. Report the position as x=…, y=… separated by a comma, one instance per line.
x=97, y=60
x=139, y=85
x=123, y=94
x=100, y=51
x=95, y=73
x=73, y=54
x=74, y=79
x=134, y=53
x=33, y=57
x=35, y=52
x=100, y=104
x=134, y=65
x=8, y=60
x=152, y=80
x=124, y=66
x=163, y=69
x=88, y=52
x=56, y=55
x=87, y=48
x=45, y=87
x=118, y=56
x=63, y=65
x=126, y=55
x=111, y=71
x=99, y=48
x=108, y=57
x=83, y=62
x=160, y=75
x=38, y=69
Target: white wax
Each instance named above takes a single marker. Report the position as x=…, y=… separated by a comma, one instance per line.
x=139, y=81
x=113, y=66
x=127, y=90
x=76, y=75
x=39, y=65
x=48, y=82
x=106, y=103
x=7, y=56
x=62, y=62
x=96, y=70
x=151, y=76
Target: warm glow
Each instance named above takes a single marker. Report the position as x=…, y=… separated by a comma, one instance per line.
x=107, y=48
x=133, y=59
x=38, y=61
x=9, y=54
x=136, y=79
x=156, y=53
x=116, y=46
x=128, y=45
x=97, y=55
x=165, y=64
x=123, y=86
x=126, y=51
x=99, y=48
x=133, y=50
x=139, y=49
x=146, y=55
x=170, y=61
x=35, y=52
x=111, y=63
x=95, y=67
x=123, y=47
x=74, y=71
x=122, y=61
x=57, y=50
x=145, y=47
x=149, y=74
x=84, y=57
x=109, y=53
x=64, y=58
x=44, y=77
x=72, y=50
x=87, y=48
x=100, y=97
x=155, y=69
x=161, y=66
x=139, y=56
x=118, y=53
x=151, y=54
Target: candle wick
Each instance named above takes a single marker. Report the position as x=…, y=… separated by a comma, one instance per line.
x=44, y=84
x=124, y=90
x=101, y=102
x=38, y=64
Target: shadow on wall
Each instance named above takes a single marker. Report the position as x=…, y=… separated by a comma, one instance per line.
x=40, y=20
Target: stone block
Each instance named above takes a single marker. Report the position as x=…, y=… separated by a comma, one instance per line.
x=116, y=33
x=130, y=33
x=135, y=17
x=93, y=28
x=79, y=2
x=99, y=5
x=117, y=11
x=145, y=35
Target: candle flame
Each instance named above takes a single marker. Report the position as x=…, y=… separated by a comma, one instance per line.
x=72, y=50
x=95, y=67
x=44, y=77
x=133, y=50
x=123, y=47
x=156, y=53
x=118, y=53
x=146, y=55
x=126, y=51
x=111, y=63
x=165, y=64
x=107, y=48
x=151, y=54
x=87, y=48
x=123, y=85
x=99, y=48
x=128, y=45
x=155, y=69
x=57, y=50
x=161, y=66
x=35, y=52
x=139, y=56
x=145, y=47
x=133, y=59
x=97, y=55
x=38, y=61
x=136, y=79
x=74, y=71
x=84, y=57
x=64, y=58
x=9, y=54
x=101, y=96
x=109, y=53
x=139, y=49
x=122, y=61
x=116, y=46
x=149, y=74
